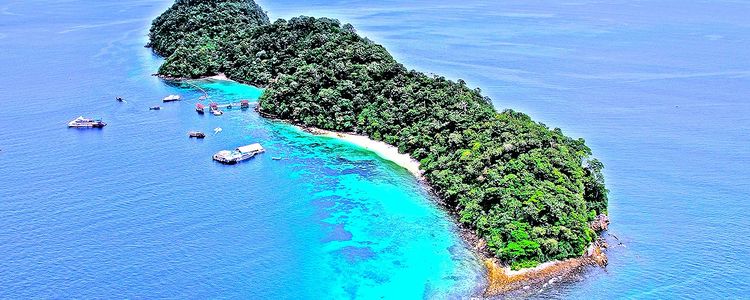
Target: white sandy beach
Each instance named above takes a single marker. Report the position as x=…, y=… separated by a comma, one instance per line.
x=382, y=149
x=219, y=76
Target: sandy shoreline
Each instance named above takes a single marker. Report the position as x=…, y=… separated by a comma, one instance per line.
x=385, y=151
x=220, y=76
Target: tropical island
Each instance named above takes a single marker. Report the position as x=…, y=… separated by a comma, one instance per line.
x=528, y=194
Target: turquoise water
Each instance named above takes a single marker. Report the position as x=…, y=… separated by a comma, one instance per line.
x=658, y=89
x=378, y=233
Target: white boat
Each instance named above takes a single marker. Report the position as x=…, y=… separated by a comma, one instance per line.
x=171, y=98
x=82, y=122
x=239, y=154
x=217, y=112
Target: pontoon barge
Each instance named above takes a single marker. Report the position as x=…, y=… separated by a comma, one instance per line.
x=241, y=153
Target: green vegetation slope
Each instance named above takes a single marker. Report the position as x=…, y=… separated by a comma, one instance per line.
x=528, y=190
x=192, y=33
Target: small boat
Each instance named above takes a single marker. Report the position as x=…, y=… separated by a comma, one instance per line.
x=196, y=134
x=239, y=154
x=217, y=130
x=82, y=122
x=200, y=108
x=276, y=158
x=201, y=98
x=214, y=107
x=119, y=99
x=244, y=104
x=154, y=108
x=171, y=98
x=229, y=106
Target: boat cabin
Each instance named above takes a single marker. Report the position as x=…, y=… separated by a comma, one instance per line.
x=171, y=98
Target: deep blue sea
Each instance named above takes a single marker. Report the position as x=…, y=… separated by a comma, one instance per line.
x=660, y=89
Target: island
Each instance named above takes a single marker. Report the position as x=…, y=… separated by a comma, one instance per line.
x=529, y=199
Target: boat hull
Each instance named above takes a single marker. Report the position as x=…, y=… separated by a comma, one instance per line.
x=197, y=135
x=233, y=160
x=88, y=126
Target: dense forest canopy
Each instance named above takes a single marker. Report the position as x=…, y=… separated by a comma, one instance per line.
x=529, y=191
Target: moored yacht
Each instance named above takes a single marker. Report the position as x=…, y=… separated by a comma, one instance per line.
x=82, y=122
x=171, y=98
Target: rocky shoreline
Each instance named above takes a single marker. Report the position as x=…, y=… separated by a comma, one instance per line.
x=502, y=281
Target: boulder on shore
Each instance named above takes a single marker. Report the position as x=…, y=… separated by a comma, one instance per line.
x=601, y=223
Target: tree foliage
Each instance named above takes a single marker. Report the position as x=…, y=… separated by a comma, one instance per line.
x=528, y=190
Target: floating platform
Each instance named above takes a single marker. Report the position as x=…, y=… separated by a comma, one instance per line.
x=241, y=153
x=243, y=104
